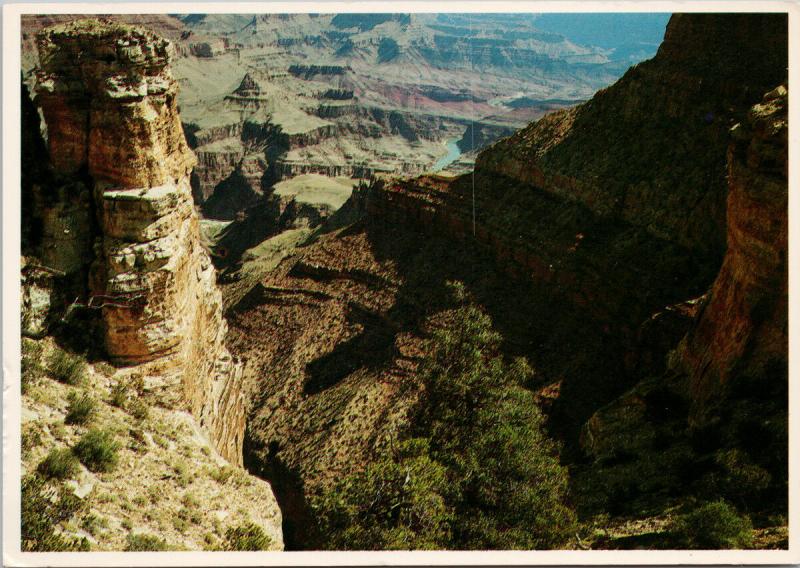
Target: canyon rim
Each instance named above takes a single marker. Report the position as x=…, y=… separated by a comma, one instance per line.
x=403, y=282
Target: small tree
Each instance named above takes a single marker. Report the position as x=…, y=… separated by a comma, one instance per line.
x=508, y=488
x=396, y=503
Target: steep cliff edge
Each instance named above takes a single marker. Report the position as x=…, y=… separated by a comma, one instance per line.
x=109, y=102
x=742, y=331
x=117, y=191
x=650, y=149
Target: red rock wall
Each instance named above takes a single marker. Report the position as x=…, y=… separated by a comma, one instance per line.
x=108, y=98
x=743, y=328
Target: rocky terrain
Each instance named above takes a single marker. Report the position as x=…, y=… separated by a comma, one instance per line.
x=117, y=247
x=169, y=483
x=594, y=256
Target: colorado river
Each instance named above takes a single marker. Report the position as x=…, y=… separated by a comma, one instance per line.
x=453, y=152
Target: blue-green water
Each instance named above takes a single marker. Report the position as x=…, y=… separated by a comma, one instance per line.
x=453, y=152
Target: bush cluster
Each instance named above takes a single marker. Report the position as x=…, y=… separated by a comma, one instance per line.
x=66, y=367
x=97, y=450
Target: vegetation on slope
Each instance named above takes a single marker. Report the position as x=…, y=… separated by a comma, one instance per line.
x=108, y=465
x=473, y=471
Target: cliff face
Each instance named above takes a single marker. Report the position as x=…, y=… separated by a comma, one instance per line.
x=721, y=408
x=743, y=328
x=109, y=102
x=650, y=149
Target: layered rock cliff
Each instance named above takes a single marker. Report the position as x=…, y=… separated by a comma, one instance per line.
x=742, y=332
x=109, y=103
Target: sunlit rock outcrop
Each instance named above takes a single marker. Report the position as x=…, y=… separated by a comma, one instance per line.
x=109, y=102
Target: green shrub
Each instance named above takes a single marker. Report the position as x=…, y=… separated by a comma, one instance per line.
x=93, y=524
x=246, y=537
x=210, y=541
x=107, y=369
x=66, y=367
x=139, y=410
x=138, y=441
x=180, y=523
x=80, y=409
x=222, y=474
x=190, y=501
x=145, y=542
x=97, y=450
x=119, y=394
x=182, y=473
x=31, y=364
x=713, y=526
x=42, y=510
x=59, y=464
x=31, y=437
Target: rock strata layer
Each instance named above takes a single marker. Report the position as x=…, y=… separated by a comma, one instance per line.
x=109, y=101
x=743, y=328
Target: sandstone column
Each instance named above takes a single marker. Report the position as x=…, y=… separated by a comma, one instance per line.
x=109, y=101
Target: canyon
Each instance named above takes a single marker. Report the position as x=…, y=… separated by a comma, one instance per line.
x=273, y=257
x=593, y=271
x=384, y=95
